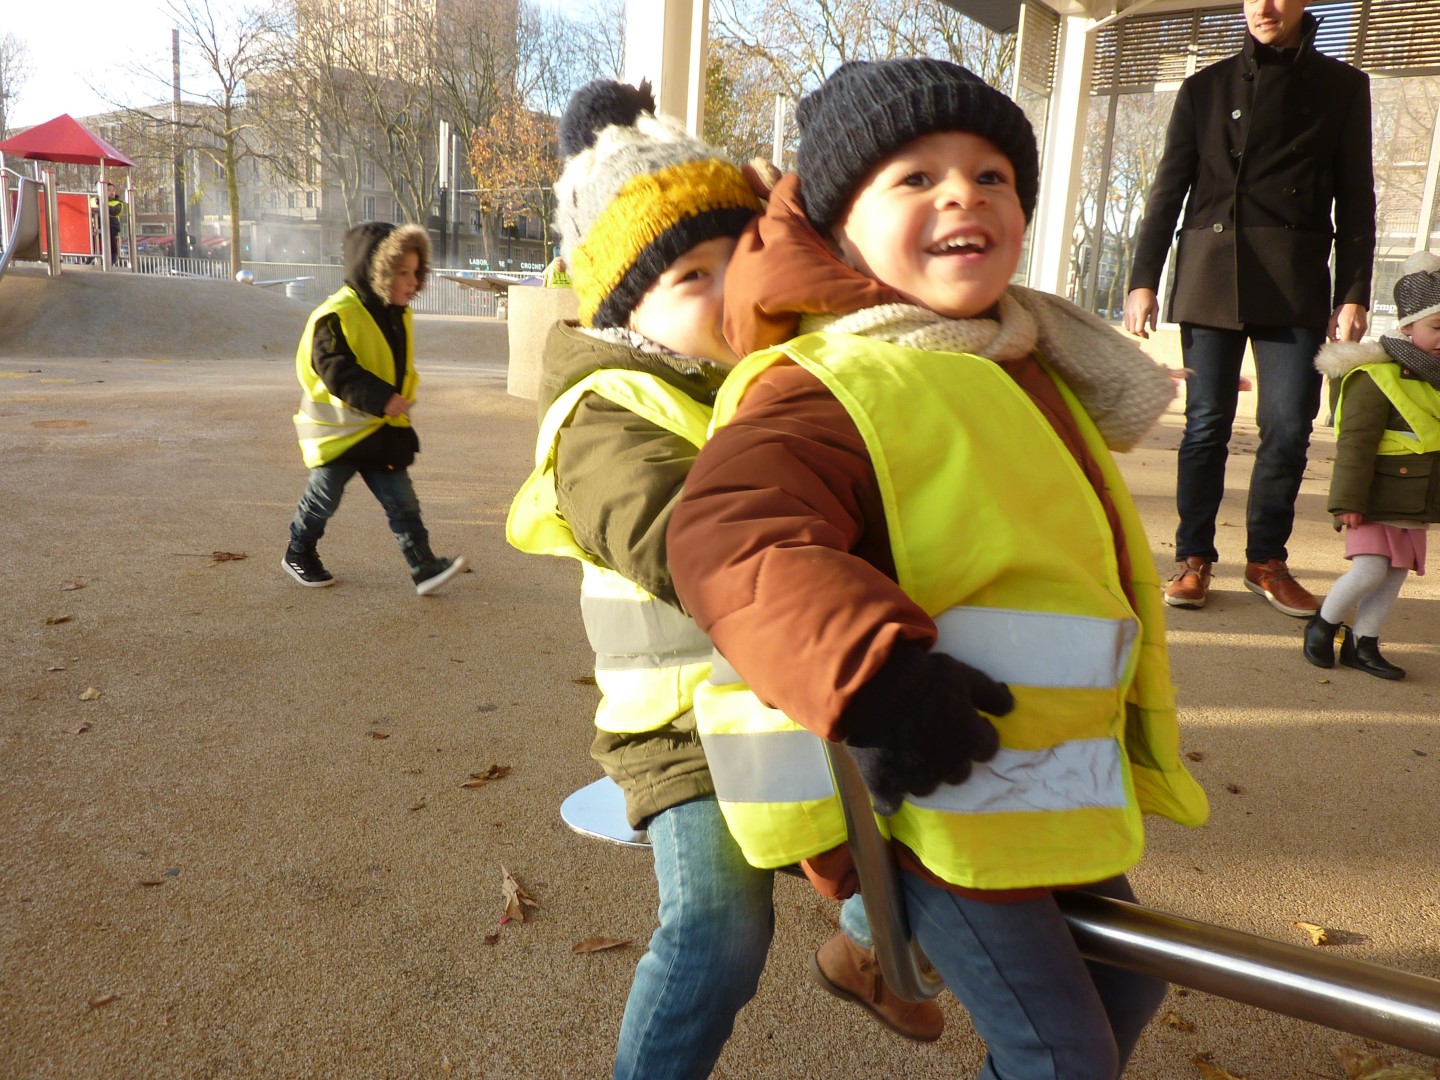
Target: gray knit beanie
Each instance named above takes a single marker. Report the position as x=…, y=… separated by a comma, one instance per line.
x=868, y=109
x=1417, y=292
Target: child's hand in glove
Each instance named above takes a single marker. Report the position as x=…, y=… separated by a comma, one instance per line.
x=916, y=724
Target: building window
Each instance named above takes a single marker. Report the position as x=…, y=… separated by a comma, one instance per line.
x=310, y=200
x=368, y=174
x=369, y=207
x=290, y=199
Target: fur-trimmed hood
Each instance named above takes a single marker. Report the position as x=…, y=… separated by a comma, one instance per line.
x=1336, y=359
x=372, y=251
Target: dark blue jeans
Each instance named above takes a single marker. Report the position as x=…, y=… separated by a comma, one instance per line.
x=1288, y=389
x=392, y=488
x=1044, y=1011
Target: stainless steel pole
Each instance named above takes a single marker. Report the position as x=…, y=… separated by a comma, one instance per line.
x=1339, y=992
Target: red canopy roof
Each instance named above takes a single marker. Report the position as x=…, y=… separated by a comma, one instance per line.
x=63, y=139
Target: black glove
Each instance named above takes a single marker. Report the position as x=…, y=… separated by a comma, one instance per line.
x=916, y=724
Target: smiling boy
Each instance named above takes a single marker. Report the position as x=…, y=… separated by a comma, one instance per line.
x=907, y=532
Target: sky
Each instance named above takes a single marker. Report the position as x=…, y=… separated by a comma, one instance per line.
x=79, y=44
x=83, y=51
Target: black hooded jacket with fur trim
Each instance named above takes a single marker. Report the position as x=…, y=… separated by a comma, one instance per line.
x=372, y=251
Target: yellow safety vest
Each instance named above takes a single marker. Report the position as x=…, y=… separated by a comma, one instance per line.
x=325, y=425
x=1414, y=399
x=999, y=536
x=649, y=656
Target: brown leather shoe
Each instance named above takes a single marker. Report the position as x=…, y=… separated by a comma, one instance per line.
x=1272, y=580
x=853, y=973
x=1191, y=584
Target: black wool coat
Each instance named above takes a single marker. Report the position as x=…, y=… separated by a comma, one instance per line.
x=1265, y=152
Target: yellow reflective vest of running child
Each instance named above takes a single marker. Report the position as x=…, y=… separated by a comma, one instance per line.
x=324, y=424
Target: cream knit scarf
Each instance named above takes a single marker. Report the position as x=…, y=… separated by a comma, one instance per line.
x=1122, y=389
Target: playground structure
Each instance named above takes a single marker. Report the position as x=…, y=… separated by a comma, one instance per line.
x=1349, y=995
x=69, y=224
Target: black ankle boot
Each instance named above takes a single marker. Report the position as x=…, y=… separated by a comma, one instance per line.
x=1320, y=641
x=1363, y=654
x=428, y=570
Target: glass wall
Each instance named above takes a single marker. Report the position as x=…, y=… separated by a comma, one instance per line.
x=1139, y=64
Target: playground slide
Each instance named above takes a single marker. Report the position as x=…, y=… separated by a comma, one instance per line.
x=24, y=239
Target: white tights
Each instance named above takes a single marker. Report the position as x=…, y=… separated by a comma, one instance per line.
x=1369, y=588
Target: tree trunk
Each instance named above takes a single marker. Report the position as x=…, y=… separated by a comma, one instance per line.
x=232, y=189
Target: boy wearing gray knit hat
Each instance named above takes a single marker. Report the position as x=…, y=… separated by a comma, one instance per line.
x=648, y=216
x=1385, y=485
x=907, y=533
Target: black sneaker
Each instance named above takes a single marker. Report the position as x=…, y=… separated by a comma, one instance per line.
x=305, y=567
x=433, y=573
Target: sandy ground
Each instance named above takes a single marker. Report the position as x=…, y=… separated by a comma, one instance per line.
x=251, y=855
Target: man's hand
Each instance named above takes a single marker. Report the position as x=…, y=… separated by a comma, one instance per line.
x=396, y=406
x=1348, y=322
x=1141, y=307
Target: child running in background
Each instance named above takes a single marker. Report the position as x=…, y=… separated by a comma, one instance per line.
x=356, y=365
x=1385, y=487
x=647, y=218
x=907, y=532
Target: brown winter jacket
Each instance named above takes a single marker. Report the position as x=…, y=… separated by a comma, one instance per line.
x=617, y=479
x=795, y=582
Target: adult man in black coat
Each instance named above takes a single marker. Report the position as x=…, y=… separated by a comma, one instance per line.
x=1264, y=143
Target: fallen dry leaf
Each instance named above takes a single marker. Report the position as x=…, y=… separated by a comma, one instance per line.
x=516, y=898
x=491, y=939
x=1213, y=1072
x=419, y=804
x=445, y=1065
x=584, y=680
x=71, y=586
x=1316, y=932
x=150, y=883
x=1362, y=1066
x=1234, y=789
x=61, y=667
x=379, y=734
x=56, y=620
x=480, y=779
x=80, y=729
x=227, y=556
x=102, y=1000
x=599, y=944
x=89, y=694
x=1195, y=755
x=1176, y=1021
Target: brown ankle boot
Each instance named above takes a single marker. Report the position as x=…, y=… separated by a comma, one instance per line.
x=853, y=973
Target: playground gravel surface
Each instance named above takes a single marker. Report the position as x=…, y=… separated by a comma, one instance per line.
x=254, y=830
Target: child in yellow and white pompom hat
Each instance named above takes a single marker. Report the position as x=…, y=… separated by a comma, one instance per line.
x=637, y=192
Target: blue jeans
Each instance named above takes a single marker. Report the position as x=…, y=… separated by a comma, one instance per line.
x=1288, y=389
x=1044, y=1012
x=321, y=498
x=705, y=958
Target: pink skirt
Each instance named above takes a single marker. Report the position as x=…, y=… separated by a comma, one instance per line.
x=1405, y=548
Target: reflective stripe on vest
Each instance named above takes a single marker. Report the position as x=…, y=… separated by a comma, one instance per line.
x=1094, y=708
x=1414, y=399
x=649, y=656
x=325, y=425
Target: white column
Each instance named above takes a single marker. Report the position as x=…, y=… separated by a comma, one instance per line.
x=665, y=42
x=1061, y=156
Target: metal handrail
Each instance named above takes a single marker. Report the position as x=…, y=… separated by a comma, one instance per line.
x=1354, y=996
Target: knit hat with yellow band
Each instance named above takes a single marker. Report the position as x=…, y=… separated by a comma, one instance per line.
x=637, y=192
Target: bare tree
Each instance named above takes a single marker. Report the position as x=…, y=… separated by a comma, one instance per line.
x=14, y=73
x=762, y=49
x=230, y=52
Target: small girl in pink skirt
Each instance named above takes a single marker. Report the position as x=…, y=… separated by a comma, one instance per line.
x=1385, y=489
